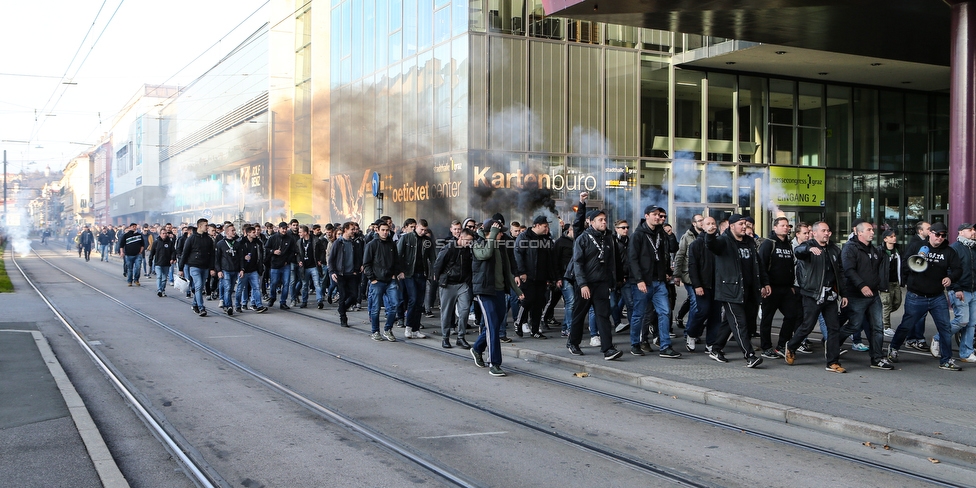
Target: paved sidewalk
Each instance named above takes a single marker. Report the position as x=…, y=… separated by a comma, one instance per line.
x=47, y=437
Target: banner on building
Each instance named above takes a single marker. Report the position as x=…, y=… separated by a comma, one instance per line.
x=301, y=195
x=792, y=186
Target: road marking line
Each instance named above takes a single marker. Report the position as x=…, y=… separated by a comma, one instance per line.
x=463, y=435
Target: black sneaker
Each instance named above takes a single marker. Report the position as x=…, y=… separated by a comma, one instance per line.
x=271, y=302
x=539, y=335
x=304, y=305
x=679, y=324
x=446, y=343
x=284, y=306
x=718, y=356
x=805, y=348
x=753, y=361
x=479, y=359
x=238, y=309
x=506, y=340
x=771, y=354
x=203, y=312
x=950, y=366
x=463, y=344
x=261, y=309
x=574, y=349
x=230, y=311
x=612, y=354
x=159, y=294
x=343, y=321
x=496, y=371
x=518, y=330
x=321, y=305
x=196, y=310
x=636, y=351
x=669, y=353
x=646, y=347
x=882, y=364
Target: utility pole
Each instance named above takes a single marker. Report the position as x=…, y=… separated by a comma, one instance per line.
x=4, y=187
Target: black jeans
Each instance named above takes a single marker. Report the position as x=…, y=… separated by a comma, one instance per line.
x=708, y=318
x=348, y=292
x=784, y=299
x=600, y=301
x=811, y=312
x=531, y=309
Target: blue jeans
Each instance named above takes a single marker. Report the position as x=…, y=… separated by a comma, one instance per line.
x=310, y=279
x=916, y=306
x=103, y=250
x=692, y=301
x=199, y=279
x=569, y=298
x=657, y=295
x=280, y=277
x=390, y=298
x=250, y=280
x=964, y=319
x=620, y=299
x=133, y=265
x=161, y=272
x=868, y=309
x=227, y=285
x=493, y=310
x=414, y=288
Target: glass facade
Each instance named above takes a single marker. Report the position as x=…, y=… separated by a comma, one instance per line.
x=214, y=140
x=467, y=108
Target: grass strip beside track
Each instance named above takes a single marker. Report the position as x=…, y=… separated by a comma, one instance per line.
x=5, y=285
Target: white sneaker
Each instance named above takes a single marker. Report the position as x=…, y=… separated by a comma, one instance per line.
x=934, y=348
x=471, y=317
x=408, y=334
x=970, y=359
x=690, y=343
x=526, y=329
x=418, y=335
x=621, y=327
x=595, y=341
x=889, y=332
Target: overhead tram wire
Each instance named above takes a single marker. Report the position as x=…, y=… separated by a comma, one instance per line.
x=73, y=58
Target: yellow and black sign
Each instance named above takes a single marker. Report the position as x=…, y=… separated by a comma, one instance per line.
x=791, y=186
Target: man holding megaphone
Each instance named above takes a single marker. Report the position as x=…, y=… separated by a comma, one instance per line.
x=929, y=274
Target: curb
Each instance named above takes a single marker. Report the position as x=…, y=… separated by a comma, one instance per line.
x=105, y=465
x=821, y=422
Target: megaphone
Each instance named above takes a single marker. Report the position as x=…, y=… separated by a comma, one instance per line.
x=919, y=262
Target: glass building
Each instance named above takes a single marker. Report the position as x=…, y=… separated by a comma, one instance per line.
x=466, y=108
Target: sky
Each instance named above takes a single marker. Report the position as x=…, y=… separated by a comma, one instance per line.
x=68, y=67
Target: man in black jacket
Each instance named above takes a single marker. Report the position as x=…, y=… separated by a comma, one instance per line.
x=252, y=267
x=452, y=268
x=563, y=248
x=927, y=294
x=228, y=267
x=131, y=249
x=162, y=256
x=740, y=282
x=308, y=266
x=916, y=336
x=417, y=254
x=346, y=264
x=381, y=265
x=85, y=242
x=534, y=268
x=776, y=258
x=281, y=253
x=819, y=278
x=594, y=271
x=198, y=258
x=649, y=258
x=708, y=314
x=865, y=277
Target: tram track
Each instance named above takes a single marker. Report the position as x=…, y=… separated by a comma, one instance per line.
x=449, y=475
x=623, y=458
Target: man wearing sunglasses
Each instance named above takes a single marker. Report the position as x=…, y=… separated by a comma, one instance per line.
x=927, y=293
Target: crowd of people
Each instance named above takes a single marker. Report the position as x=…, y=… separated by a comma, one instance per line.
x=736, y=281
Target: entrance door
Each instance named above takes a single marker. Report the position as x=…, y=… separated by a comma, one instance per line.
x=939, y=216
x=720, y=212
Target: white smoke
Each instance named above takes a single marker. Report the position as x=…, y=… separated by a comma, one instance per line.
x=17, y=228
